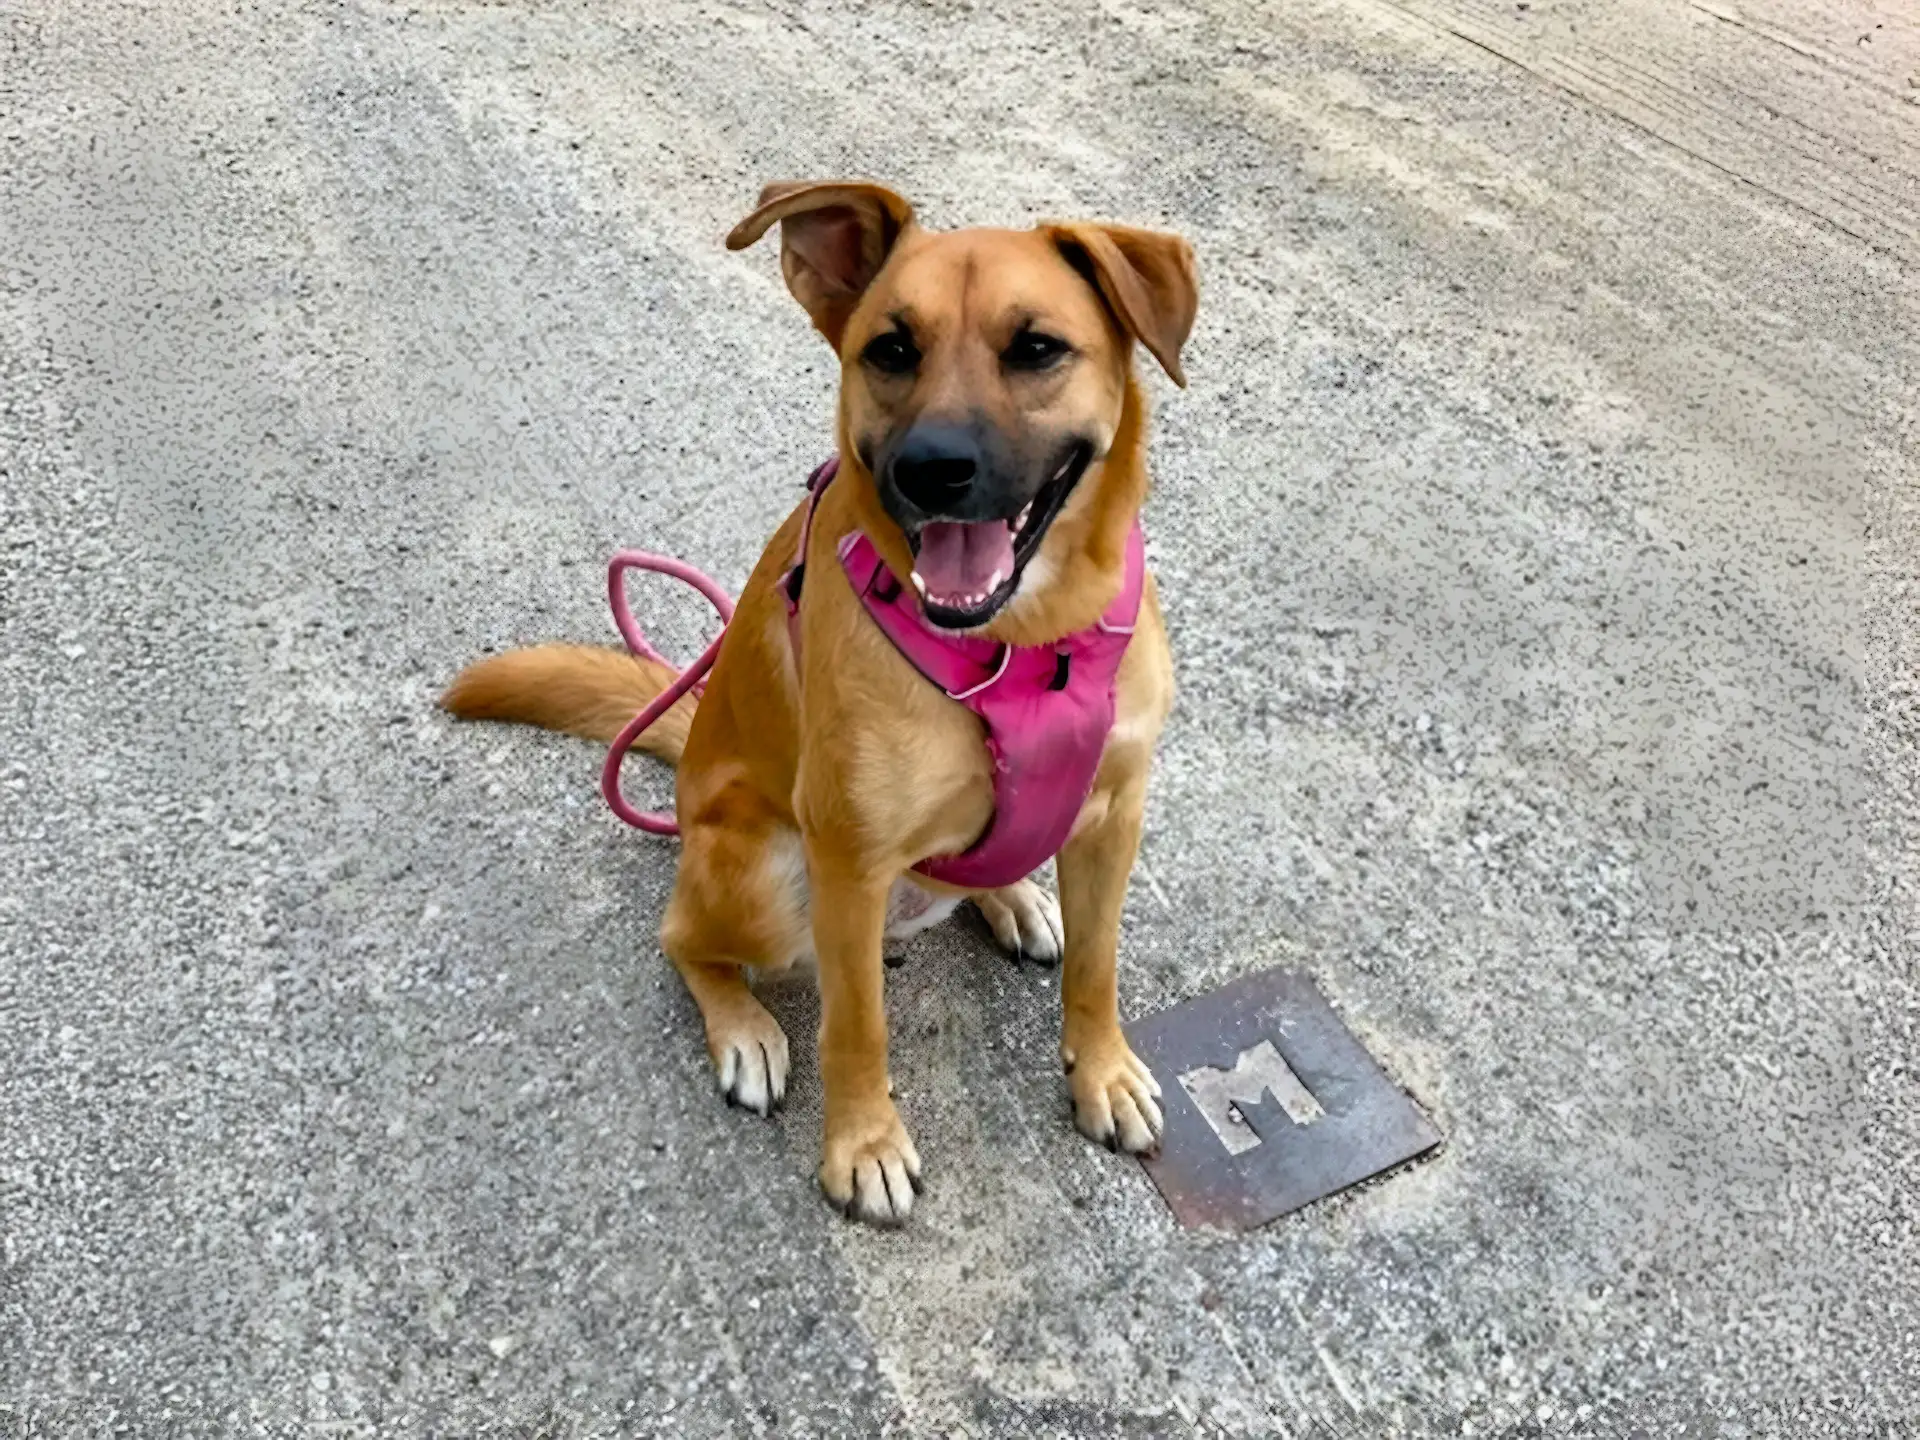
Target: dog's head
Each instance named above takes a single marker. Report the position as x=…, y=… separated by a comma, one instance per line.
x=985, y=374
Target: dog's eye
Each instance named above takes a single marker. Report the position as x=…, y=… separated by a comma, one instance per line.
x=892, y=353
x=1032, y=350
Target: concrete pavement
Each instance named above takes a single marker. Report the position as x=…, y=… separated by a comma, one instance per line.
x=1538, y=542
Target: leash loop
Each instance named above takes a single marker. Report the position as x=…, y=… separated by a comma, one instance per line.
x=692, y=679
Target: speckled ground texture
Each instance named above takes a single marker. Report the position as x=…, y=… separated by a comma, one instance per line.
x=1538, y=539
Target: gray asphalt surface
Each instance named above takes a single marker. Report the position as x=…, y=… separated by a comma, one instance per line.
x=1538, y=540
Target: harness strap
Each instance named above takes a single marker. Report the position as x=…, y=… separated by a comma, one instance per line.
x=792, y=582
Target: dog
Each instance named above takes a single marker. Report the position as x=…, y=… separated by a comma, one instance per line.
x=992, y=448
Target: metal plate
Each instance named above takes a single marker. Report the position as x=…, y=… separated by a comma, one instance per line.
x=1270, y=1103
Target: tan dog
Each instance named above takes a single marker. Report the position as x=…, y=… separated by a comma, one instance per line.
x=985, y=374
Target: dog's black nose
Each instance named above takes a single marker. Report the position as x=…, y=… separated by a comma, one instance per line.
x=935, y=466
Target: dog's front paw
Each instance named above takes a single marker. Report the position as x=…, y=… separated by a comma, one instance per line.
x=1115, y=1097
x=1025, y=920
x=870, y=1170
x=749, y=1052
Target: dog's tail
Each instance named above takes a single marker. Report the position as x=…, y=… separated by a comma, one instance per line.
x=579, y=689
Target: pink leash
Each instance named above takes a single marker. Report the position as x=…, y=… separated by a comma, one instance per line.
x=654, y=822
x=693, y=678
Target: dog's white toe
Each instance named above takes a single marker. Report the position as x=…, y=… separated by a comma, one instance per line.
x=751, y=1060
x=1026, y=921
x=870, y=1170
x=1115, y=1097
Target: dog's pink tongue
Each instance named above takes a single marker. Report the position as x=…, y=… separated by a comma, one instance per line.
x=961, y=562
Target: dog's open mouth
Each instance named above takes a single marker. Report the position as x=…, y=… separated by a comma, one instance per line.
x=965, y=570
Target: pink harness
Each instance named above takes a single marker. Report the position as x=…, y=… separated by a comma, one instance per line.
x=1047, y=709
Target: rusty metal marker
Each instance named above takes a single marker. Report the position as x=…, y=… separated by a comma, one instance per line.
x=1270, y=1102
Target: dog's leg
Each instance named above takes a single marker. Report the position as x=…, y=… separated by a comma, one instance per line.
x=1114, y=1094
x=868, y=1166
x=737, y=901
x=1025, y=920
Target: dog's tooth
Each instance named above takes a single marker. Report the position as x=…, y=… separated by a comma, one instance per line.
x=919, y=585
x=994, y=583
x=1026, y=514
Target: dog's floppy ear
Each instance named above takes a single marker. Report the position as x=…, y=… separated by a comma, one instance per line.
x=834, y=237
x=1148, y=279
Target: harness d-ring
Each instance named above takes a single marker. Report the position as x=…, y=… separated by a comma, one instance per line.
x=692, y=679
